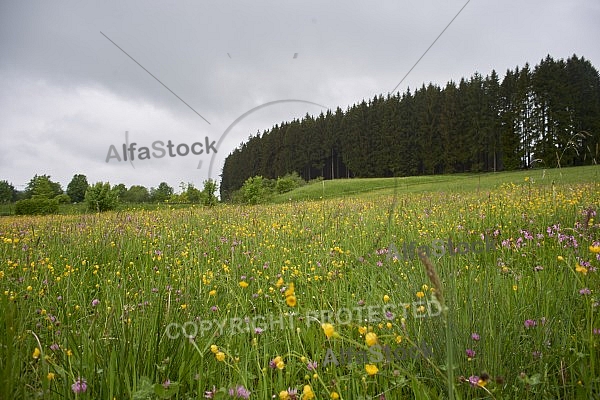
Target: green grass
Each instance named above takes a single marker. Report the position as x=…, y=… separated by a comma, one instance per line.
x=436, y=183
x=99, y=294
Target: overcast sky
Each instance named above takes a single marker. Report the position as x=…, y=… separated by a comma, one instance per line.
x=67, y=93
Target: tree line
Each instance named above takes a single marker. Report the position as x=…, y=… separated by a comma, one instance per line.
x=42, y=195
x=547, y=115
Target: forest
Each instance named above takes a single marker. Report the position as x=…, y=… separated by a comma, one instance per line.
x=547, y=115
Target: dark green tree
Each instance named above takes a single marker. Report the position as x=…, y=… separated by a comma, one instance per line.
x=42, y=186
x=136, y=194
x=162, y=193
x=7, y=192
x=77, y=187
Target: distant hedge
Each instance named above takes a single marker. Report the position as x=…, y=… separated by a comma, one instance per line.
x=36, y=206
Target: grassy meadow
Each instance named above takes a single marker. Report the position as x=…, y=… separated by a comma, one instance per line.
x=253, y=301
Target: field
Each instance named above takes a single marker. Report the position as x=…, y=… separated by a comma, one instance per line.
x=314, y=299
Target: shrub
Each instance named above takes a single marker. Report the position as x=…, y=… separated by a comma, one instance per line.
x=288, y=183
x=254, y=190
x=36, y=206
x=63, y=198
x=99, y=197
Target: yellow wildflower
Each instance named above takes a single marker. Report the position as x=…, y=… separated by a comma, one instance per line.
x=329, y=330
x=371, y=369
x=581, y=269
x=36, y=353
x=291, y=301
x=371, y=339
x=307, y=393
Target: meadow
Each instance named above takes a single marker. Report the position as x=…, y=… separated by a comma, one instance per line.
x=252, y=301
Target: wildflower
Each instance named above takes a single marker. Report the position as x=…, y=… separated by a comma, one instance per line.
x=371, y=369
x=371, y=339
x=212, y=292
x=279, y=282
x=420, y=295
x=312, y=365
x=595, y=249
x=538, y=268
x=243, y=284
x=290, y=290
x=475, y=336
x=307, y=393
x=80, y=386
x=166, y=384
x=560, y=258
x=334, y=396
x=95, y=302
x=291, y=301
x=284, y=395
x=258, y=331
x=529, y=323
x=214, y=309
x=362, y=330
x=386, y=298
x=329, y=330
x=579, y=268
x=474, y=380
x=183, y=306
x=585, y=291
x=239, y=392
x=214, y=348
x=36, y=353
x=277, y=362
x=210, y=394
x=50, y=376
x=470, y=353
x=292, y=393
x=54, y=347
x=220, y=356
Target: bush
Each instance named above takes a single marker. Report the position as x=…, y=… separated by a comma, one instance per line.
x=288, y=183
x=36, y=206
x=63, y=198
x=254, y=190
x=99, y=197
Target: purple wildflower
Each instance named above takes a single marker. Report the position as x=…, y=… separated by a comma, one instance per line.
x=475, y=336
x=239, y=392
x=474, y=380
x=312, y=365
x=585, y=291
x=529, y=323
x=470, y=353
x=80, y=386
x=95, y=302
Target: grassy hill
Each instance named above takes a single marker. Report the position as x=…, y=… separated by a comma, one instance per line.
x=369, y=187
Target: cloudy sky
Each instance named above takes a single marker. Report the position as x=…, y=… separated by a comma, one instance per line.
x=68, y=91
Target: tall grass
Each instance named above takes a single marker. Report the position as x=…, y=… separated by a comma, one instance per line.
x=96, y=294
